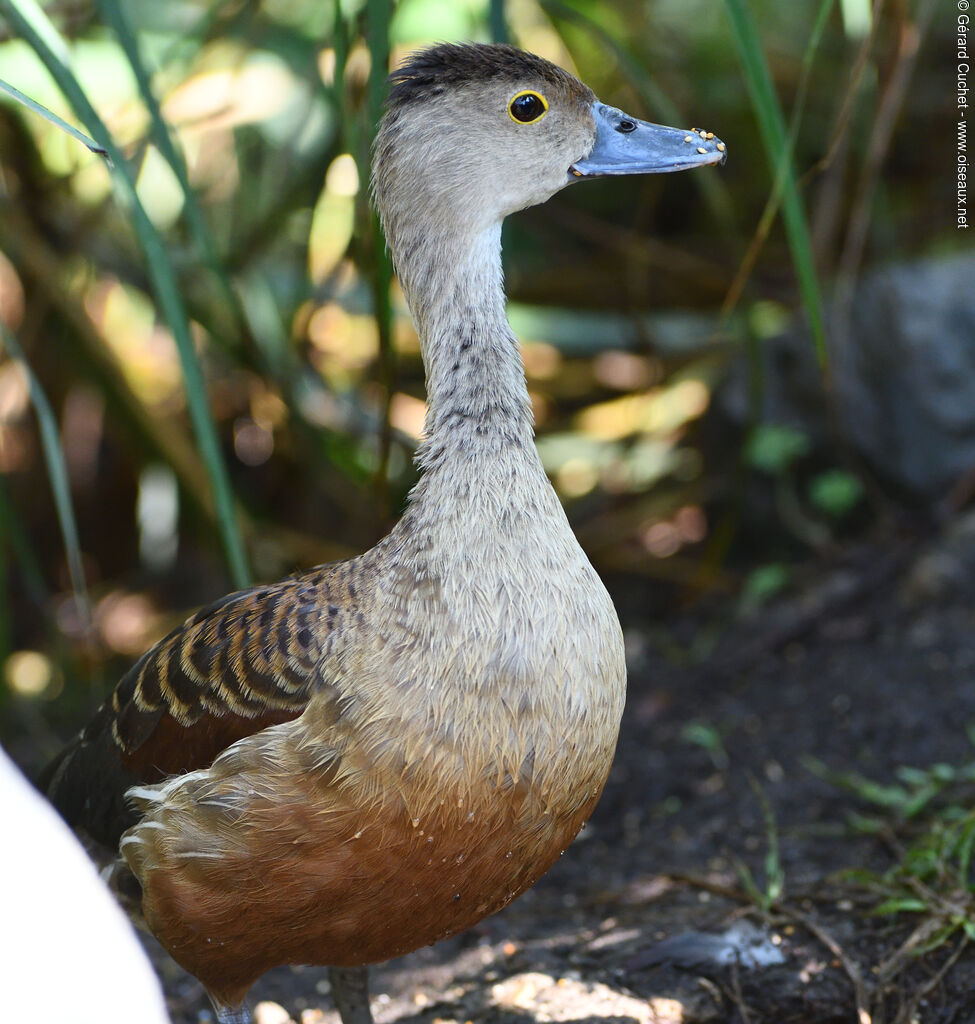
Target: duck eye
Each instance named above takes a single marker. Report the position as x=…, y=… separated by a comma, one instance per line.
x=527, y=106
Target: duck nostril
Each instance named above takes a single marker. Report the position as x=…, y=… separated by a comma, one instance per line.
x=626, y=127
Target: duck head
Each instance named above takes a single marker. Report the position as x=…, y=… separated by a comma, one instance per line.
x=472, y=133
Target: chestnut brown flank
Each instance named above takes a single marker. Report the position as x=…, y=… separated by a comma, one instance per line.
x=342, y=900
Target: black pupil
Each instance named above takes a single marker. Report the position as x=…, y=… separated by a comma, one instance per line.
x=526, y=108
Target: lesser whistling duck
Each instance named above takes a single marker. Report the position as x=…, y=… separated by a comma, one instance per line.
x=367, y=757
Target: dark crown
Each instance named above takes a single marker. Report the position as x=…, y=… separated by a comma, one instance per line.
x=433, y=71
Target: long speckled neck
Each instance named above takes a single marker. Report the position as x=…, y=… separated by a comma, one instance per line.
x=477, y=396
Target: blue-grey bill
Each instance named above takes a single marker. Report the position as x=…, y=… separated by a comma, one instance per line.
x=626, y=145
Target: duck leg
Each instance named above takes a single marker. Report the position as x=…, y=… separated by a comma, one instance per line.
x=232, y=1014
x=350, y=991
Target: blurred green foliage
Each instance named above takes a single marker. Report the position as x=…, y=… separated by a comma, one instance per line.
x=221, y=302
x=773, y=448
x=836, y=492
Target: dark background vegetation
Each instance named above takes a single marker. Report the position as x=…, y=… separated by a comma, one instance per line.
x=208, y=377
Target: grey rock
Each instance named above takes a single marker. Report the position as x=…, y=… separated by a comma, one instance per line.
x=903, y=375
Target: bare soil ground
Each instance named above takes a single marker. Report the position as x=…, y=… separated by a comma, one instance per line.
x=870, y=667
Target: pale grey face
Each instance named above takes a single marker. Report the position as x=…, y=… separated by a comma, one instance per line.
x=486, y=149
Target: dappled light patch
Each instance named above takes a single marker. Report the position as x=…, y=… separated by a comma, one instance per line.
x=660, y=411
x=125, y=318
x=543, y=997
x=128, y=622
x=31, y=674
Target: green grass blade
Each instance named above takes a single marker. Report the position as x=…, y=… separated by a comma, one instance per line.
x=497, y=23
x=340, y=43
x=12, y=532
x=900, y=905
x=381, y=276
x=165, y=285
x=774, y=201
x=49, y=115
x=774, y=871
x=111, y=13
x=37, y=19
x=378, y=17
x=966, y=842
x=57, y=473
x=808, y=58
x=771, y=125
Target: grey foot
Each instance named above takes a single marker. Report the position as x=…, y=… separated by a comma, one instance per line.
x=350, y=990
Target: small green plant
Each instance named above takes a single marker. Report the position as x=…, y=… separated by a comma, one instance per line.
x=913, y=792
x=762, y=585
x=766, y=895
x=774, y=449
x=777, y=452
x=704, y=735
x=835, y=492
x=926, y=818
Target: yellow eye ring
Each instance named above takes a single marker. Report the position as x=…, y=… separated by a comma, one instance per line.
x=527, y=107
